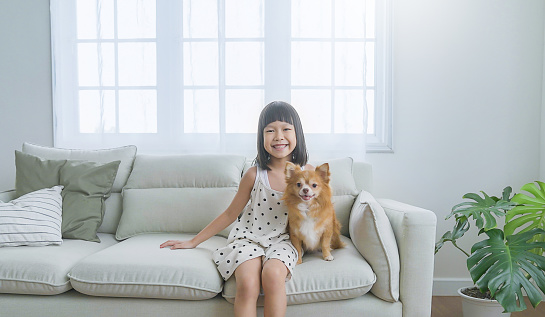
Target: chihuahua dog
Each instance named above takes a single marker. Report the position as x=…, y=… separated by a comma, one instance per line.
x=311, y=216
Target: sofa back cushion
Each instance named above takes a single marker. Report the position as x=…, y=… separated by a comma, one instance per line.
x=125, y=154
x=178, y=193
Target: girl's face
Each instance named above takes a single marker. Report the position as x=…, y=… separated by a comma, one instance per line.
x=279, y=139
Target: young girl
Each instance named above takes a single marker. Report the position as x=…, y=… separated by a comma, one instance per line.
x=259, y=252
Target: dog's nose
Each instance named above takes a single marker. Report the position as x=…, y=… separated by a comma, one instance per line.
x=305, y=190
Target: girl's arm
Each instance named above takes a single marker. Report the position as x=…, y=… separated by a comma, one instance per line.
x=225, y=218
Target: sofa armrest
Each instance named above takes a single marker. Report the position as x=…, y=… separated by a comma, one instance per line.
x=7, y=195
x=414, y=229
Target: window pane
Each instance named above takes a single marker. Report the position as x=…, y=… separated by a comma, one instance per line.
x=242, y=108
x=96, y=111
x=201, y=63
x=96, y=64
x=314, y=108
x=244, y=18
x=138, y=111
x=201, y=111
x=137, y=64
x=311, y=18
x=94, y=21
x=350, y=18
x=310, y=63
x=370, y=97
x=244, y=63
x=349, y=57
x=200, y=18
x=370, y=18
x=370, y=63
x=136, y=19
x=349, y=111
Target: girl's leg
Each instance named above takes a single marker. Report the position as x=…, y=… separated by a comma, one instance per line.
x=274, y=285
x=248, y=286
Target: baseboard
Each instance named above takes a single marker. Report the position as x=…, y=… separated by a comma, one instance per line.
x=449, y=286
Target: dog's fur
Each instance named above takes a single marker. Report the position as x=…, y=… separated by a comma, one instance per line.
x=311, y=216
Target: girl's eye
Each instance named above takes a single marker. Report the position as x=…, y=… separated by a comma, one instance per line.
x=314, y=185
x=298, y=184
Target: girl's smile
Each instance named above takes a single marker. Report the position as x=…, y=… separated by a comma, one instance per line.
x=279, y=139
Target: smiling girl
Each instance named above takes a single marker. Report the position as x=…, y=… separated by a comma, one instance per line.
x=258, y=251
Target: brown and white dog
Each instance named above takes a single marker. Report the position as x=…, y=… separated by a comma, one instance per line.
x=311, y=216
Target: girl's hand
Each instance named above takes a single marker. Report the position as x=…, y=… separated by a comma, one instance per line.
x=176, y=244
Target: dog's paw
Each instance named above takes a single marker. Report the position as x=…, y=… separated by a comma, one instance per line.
x=299, y=261
x=329, y=258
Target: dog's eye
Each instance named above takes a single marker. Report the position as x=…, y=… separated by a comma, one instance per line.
x=298, y=184
x=314, y=185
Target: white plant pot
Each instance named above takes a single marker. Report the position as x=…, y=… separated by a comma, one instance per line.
x=477, y=307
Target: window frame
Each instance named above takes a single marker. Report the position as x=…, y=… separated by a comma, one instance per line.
x=170, y=55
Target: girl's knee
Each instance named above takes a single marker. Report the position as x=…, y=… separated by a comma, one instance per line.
x=248, y=285
x=248, y=282
x=274, y=274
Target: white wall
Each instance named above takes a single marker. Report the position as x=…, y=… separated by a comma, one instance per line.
x=25, y=81
x=468, y=81
x=467, y=108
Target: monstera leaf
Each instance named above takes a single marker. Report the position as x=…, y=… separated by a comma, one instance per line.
x=484, y=209
x=505, y=266
x=460, y=227
x=530, y=212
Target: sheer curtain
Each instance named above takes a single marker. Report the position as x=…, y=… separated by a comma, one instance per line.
x=191, y=76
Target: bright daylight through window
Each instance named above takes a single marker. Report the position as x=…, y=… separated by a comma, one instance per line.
x=192, y=75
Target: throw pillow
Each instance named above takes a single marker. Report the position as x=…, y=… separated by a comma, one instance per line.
x=33, y=219
x=373, y=236
x=125, y=154
x=34, y=173
x=86, y=186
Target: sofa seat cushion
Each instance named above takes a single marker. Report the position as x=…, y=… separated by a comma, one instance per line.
x=316, y=280
x=137, y=267
x=44, y=270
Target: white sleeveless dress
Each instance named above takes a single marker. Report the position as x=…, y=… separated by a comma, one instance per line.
x=261, y=231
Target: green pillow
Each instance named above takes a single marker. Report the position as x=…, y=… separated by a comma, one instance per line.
x=86, y=186
x=34, y=173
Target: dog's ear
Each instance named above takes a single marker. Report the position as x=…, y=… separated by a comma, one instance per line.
x=290, y=169
x=323, y=171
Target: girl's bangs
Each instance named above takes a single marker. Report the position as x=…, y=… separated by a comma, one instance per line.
x=278, y=113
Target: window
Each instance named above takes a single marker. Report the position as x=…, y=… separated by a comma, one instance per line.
x=192, y=76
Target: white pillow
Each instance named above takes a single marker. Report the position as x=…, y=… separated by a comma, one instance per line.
x=372, y=234
x=33, y=219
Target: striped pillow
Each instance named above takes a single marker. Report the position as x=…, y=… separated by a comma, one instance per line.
x=33, y=219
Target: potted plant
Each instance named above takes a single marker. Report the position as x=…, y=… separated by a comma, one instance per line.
x=507, y=260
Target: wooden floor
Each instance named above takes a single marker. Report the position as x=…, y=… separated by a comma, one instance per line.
x=451, y=306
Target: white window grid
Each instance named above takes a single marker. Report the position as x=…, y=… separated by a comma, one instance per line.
x=170, y=56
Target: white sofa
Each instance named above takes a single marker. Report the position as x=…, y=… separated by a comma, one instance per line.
x=385, y=270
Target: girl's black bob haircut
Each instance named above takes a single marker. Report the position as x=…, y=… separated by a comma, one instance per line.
x=280, y=111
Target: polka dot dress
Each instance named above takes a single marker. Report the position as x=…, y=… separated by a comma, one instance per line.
x=261, y=231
